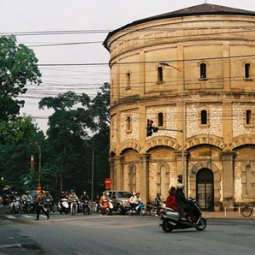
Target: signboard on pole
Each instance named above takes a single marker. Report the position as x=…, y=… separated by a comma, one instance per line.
x=107, y=183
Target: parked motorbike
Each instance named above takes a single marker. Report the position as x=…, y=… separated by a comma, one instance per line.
x=139, y=209
x=63, y=206
x=106, y=207
x=170, y=219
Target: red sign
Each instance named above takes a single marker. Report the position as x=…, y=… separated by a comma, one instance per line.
x=107, y=183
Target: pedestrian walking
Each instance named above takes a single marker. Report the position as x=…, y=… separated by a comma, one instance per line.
x=40, y=200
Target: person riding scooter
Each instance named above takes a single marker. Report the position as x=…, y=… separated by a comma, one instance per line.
x=134, y=200
x=84, y=198
x=184, y=205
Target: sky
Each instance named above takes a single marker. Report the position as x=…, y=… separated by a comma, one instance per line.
x=67, y=35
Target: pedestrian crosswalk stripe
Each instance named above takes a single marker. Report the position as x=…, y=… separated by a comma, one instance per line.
x=10, y=217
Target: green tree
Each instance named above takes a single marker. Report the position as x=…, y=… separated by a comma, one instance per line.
x=16, y=137
x=18, y=66
x=69, y=148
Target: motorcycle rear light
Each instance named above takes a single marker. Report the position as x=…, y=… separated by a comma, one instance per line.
x=162, y=212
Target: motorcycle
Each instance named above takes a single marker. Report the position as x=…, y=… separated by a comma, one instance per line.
x=48, y=204
x=106, y=207
x=73, y=207
x=170, y=219
x=63, y=206
x=15, y=206
x=29, y=206
x=139, y=209
x=84, y=205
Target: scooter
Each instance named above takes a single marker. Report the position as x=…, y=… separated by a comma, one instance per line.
x=15, y=206
x=139, y=209
x=48, y=204
x=106, y=207
x=170, y=219
x=63, y=206
x=29, y=206
x=73, y=207
x=84, y=205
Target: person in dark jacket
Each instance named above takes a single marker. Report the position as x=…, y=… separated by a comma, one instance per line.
x=183, y=203
x=40, y=201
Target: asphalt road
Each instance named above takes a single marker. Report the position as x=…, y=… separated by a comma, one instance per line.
x=120, y=235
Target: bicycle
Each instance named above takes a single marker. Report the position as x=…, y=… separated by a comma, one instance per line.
x=246, y=211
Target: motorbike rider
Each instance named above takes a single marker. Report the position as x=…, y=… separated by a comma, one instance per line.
x=26, y=197
x=184, y=205
x=49, y=196
x=72, y=197
x=85, y=197
x=11, y=199
x=158, y=203
x=171, y=200
x=134, y=200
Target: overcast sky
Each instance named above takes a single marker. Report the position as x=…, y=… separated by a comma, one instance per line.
x=71, y=32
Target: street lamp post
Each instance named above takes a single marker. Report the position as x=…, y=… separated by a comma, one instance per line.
x=92, y=171
x=40, y=164
x=182, y=118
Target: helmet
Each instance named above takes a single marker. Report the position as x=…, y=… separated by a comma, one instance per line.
x=71, y=190
x=107, y=193
x=134, y=193
x=180, y=186
x=27, y=192
x=47, y=192
x=137, y=193
x=84, y=192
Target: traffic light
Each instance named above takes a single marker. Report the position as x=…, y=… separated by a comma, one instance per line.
x=180, y=178
x=149, y=127
x=155, y=129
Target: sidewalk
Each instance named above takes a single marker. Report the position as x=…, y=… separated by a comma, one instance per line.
x=228, y=214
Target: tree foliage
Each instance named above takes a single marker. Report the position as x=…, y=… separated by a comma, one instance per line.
x=17, y=68
x=69, y=142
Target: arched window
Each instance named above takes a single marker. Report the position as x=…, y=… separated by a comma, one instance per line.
x=203, y=70
x=128, y=123
x=248, y=117
x=128, y=80
x=160, y=74
x=203, y=117
x=160, y=119
x=247, y=67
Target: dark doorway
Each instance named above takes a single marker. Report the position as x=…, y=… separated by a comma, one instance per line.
x=205, y=188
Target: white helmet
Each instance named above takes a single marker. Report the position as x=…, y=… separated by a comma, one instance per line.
x=180, y=186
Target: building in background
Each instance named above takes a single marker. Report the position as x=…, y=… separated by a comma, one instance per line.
x=192, y=72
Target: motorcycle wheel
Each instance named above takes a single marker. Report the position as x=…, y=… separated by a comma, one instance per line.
x=153, y=211
x=119, y=209
x=167, y=227
x=73, y=210
x=86, y=211
x=201, y=225
x=143, y=212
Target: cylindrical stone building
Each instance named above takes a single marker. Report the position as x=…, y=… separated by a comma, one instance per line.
x=192, y=72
